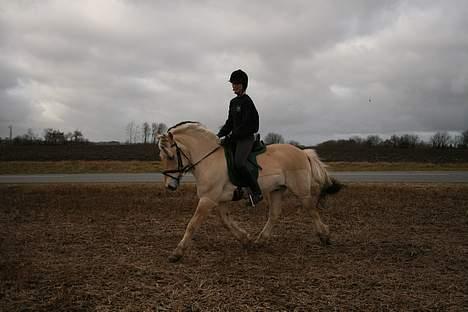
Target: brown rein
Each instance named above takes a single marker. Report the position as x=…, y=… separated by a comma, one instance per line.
x=181, y=169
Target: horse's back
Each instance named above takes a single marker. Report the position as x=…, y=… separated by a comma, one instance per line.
x=285, y=157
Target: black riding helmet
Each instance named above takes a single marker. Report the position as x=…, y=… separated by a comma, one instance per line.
x=239, y=76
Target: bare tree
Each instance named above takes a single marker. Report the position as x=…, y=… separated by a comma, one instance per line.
x=465, y=138
x=146, y=132
x=357, y=139
x=137, y=134
x=409, y=140
x=156, y=129
x=458, y=141
x=273, y=138
x=77, y=136
x=154, y=133
x=31, y=136
x=440, y=140
x=162, y=128
x=394, y=140
x=69, y=136
x=373, y=140
x=130, y=130
x=52, y=136
x=28, y=138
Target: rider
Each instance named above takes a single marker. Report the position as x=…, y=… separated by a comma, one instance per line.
x=241, y=125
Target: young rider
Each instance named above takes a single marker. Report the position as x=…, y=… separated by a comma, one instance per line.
x=241, y=125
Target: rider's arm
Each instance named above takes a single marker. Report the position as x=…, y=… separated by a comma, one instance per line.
x=227, y=128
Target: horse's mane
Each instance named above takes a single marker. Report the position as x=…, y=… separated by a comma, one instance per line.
x=183, y=123
x=195, y=127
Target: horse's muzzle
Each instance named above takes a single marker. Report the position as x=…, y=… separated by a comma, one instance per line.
x=172, y=185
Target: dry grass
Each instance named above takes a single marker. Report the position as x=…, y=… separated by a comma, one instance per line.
x=102, y=247
x=78, y=166
x=81, y=166
x=397, y=166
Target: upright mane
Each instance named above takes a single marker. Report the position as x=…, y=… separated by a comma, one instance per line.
x=192, y=128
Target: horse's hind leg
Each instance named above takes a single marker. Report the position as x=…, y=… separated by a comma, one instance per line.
x=274, y=199
x=231, y=225
x=321, y=229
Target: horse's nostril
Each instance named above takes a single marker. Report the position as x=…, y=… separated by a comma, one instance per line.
x=172, y=187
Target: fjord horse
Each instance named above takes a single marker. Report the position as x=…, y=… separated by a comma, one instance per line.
x=189, y=146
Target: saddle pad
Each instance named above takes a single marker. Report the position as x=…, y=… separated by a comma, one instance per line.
x=252, y=165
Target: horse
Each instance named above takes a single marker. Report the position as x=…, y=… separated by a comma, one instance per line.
x=190, y=146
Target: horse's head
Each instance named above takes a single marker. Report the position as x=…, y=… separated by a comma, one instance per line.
x=171, y=161
x=179, y=144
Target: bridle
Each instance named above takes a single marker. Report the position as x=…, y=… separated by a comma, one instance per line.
x=181, y=169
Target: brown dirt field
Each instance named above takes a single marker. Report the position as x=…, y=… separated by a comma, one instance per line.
x=105, y=247
x=136, y=166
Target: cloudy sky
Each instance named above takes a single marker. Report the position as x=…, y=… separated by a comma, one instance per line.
x=318, y=69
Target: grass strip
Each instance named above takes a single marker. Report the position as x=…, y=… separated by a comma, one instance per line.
x=107, y=166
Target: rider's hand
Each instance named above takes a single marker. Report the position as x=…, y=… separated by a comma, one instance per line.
x=224, y=140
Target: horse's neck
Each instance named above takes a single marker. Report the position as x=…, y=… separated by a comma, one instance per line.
x=197, y=147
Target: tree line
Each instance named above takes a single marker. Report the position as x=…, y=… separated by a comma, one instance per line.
x=144, y=133
x=147, y=133
x=135, y=133
x=50, y=136
x=440, y=140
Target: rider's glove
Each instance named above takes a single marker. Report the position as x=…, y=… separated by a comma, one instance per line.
x=225, y=140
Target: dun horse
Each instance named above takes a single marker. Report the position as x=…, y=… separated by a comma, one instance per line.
x=189, y=146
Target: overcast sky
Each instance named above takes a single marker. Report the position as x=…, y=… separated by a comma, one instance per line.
x=318, y=70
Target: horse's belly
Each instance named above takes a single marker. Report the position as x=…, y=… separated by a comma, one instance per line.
x=271, y=176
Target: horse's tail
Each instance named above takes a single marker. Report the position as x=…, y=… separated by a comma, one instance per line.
x=328, y=185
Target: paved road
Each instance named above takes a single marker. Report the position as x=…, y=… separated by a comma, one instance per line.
x=356, y=176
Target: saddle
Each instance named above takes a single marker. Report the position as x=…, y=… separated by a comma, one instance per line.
x=258, y=148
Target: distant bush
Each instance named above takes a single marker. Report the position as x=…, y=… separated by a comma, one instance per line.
x=273, y=138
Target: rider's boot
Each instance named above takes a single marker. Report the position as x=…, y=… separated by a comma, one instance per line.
x=238, y=194
x=256, y=194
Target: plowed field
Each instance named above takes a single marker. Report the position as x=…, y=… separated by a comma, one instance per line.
x=105, y=247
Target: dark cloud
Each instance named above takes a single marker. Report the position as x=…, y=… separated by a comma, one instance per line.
x=314, y=65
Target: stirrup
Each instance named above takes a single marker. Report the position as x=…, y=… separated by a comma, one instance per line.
x=255, y=199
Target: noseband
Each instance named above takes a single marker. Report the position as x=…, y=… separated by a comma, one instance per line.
x=181, y=169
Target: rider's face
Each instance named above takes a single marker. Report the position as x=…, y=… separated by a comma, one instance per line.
x=237, y=88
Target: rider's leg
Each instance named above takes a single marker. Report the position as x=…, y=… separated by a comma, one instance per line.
x=243, y=149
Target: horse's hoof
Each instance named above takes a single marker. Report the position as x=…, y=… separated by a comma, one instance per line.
x=174, y=258
x=246, y=241
x=324, y=240
x=246, y=244
x=260, y=241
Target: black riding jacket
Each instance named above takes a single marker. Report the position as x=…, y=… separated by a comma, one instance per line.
x=242, y=119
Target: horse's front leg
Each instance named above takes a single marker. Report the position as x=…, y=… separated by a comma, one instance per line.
x=203, y=209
